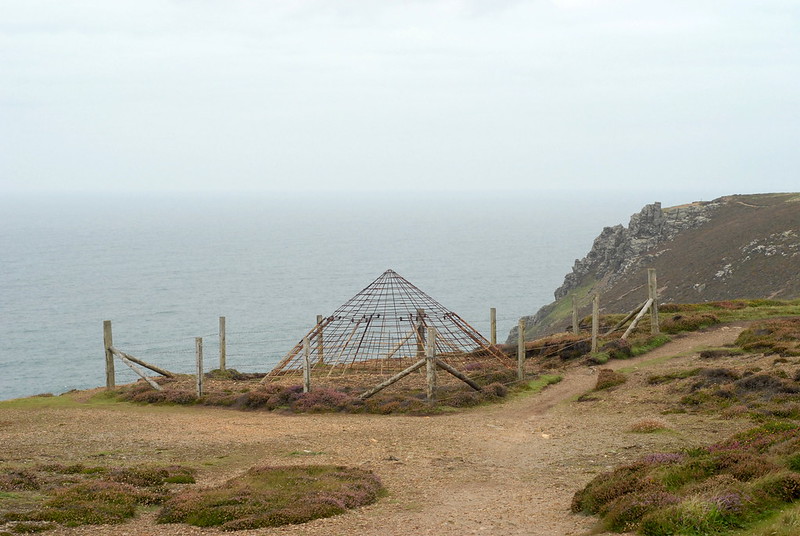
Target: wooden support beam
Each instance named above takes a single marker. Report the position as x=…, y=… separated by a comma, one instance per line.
x=652, y=287
x=430, y=363
x=134, y=368
x=630, y=329
x=108, y=343
x=457, y=374
x=493, y=325
x=399, y=376
x=622, y=322
x=145, y=364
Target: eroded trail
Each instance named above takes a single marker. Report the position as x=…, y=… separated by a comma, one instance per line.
x=509, y=469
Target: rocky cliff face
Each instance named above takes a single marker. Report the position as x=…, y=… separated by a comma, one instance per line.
x=732, y=247
x=618, y=249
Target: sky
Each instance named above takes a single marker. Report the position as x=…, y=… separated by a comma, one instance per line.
x=470, y=95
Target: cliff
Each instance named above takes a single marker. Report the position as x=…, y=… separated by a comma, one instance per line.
x=739, y=246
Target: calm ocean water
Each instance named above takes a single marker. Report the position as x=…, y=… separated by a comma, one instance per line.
x=163, y=269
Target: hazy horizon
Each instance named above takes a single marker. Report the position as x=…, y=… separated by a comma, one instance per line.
x=447, y=95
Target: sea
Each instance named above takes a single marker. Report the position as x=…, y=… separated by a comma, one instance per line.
x=164, y=267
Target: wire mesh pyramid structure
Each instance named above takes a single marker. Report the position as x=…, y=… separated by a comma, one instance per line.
x=383, y=328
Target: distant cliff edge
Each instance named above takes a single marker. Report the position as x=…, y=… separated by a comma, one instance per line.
x=738, y=246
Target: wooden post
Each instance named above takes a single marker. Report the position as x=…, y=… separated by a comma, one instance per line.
x=575, y=327
x=320, y=346
x=493, y=323
x=645, y=308
x=652, y=287
x=521, y=350
x=223, y=348
x=397, y=377
x=420, y=333
x=198, y=352
x=595, y=320
x=430, y=362
x=306, y=365
x=109, y=343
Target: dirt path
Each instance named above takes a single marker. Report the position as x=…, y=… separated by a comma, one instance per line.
x=508, y=469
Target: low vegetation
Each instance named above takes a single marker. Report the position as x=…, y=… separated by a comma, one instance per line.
x=52, y=495
x=706, y=490
x=748, y=481
x=274, y=496
x=46, y=496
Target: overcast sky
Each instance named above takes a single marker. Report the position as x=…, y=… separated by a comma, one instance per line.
x=300, y=94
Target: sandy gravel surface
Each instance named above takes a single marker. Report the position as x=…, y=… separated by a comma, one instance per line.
x=508, y=469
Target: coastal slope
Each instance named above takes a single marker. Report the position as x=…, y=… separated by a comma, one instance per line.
x=734, y=247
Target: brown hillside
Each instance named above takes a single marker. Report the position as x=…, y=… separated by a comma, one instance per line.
x=740, y=246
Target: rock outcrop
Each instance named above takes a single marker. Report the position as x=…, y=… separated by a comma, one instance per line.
x=732, y=247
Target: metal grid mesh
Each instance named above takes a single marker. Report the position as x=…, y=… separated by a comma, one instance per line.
x=382, y=329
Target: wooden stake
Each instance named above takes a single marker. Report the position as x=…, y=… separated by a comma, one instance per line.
x=575, y=326
x=521, y=350
x=645, y=307
x=320, y=346
x=420, y=333
x=198, y=352
x=223, y=345
x=399, y=376
x=306, y=365
x=430, y=362
x=595, y=321
x=133, y=367
x=652, y=287
x=109, y=343
x=145, y=364
x=457, y=374
x=493, y=323
x=622, y=322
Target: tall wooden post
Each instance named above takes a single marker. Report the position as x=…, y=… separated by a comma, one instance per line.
x=198, y=353
x=320, y=345
x=521, y=350
x=595, y=321
x=420, y=327
x=652, y=287
x=108, y=343
x=493, y=325
x=306, y=365
x=430, y=362
x=223, y=348
x=575, y=327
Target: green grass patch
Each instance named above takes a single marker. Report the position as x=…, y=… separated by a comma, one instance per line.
x=672, y=376
x=541, y=382
x=274, y=496
x=650, y=343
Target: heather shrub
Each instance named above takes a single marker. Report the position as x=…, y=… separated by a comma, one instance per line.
x=19, y=480
x=648, y=426
x=95, y=502
x=618, y=349
x=607, y=487
x=625, y=512
x=274, y=496
x=672, y=376
x=607, y=378
x=321, y=400
x=714, y=353
x=688, y=322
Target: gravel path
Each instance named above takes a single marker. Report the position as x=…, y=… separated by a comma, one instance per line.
x=508, y=469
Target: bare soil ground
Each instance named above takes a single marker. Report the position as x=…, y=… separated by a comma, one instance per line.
x=509, y=469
